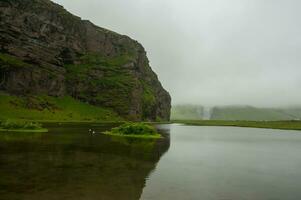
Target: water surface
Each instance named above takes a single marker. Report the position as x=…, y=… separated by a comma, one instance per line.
x=191, y=162
x=227, y=163
x=69, y=162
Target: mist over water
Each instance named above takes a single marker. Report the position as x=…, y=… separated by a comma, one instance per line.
x=212, y=52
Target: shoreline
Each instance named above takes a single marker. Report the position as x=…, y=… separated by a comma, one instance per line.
x=279, y=125
x=44, y=130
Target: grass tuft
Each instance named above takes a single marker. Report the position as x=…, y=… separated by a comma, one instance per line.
x=138, y=130
x=21, y=125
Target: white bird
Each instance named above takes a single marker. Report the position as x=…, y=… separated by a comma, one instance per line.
x=93, y=132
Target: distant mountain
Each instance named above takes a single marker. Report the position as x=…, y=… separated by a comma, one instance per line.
x=250, y=113
x=294, y=111
x=192, y=112
x=189, y=112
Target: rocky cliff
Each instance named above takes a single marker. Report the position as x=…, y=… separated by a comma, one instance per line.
x=46, y=50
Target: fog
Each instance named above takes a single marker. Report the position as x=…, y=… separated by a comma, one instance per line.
x=212, y=52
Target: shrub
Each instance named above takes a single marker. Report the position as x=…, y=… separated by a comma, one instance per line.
x=20, y=124
x=134, y=129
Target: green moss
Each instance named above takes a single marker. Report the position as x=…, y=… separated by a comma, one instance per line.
x=148, y=101
x=111, y=82
x=8, y=61
x=95, y=59
x=46, y=108
x=136, y=130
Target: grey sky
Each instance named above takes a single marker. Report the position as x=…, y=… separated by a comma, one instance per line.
x=212, y=52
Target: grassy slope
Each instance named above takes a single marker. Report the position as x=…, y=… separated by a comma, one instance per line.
x=45, y=108
x=286, y=125
x=250, y=113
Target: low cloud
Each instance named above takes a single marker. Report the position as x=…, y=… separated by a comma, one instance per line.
x=212, y=52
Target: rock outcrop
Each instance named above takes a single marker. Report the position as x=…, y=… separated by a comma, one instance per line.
x=46, y=50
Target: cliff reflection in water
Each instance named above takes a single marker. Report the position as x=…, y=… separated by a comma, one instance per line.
x=70, y=163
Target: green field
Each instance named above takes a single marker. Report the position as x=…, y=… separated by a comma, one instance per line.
x=46, y=108
x=285, y=125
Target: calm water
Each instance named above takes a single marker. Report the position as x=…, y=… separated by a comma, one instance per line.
x=218, y=163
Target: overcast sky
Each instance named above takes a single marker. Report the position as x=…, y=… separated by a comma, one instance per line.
x=212, y=52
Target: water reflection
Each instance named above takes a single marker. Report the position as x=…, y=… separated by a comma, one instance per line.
x=70, y=163
x=227, y=163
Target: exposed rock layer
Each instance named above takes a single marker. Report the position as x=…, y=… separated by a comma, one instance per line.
x=46, y=50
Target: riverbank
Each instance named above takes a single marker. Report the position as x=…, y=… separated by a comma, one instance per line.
x=43, y=130
x=283, y=125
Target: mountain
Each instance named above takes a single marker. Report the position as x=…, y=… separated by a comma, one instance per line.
x=294, y=111
x=189, y=112
x=48, y=54
x=250, y=113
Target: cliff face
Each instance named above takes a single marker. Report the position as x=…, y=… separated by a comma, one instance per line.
x=46, y=50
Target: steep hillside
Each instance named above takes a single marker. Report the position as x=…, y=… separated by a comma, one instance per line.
x=44, y=50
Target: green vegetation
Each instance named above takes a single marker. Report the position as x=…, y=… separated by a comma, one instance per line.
x=8, y=61
x=286, y=125
x=232, y=113
x=136, y=130
x=187, y=112
x=46, y=108
x=293, y=111
x=21, y=126
x=250, y=113
x=106, y=77
x=149, y=100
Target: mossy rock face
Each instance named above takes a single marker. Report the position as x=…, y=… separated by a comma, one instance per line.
x=137, y=130
x=102, y=81
x=8, y=62
x=73, y=57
